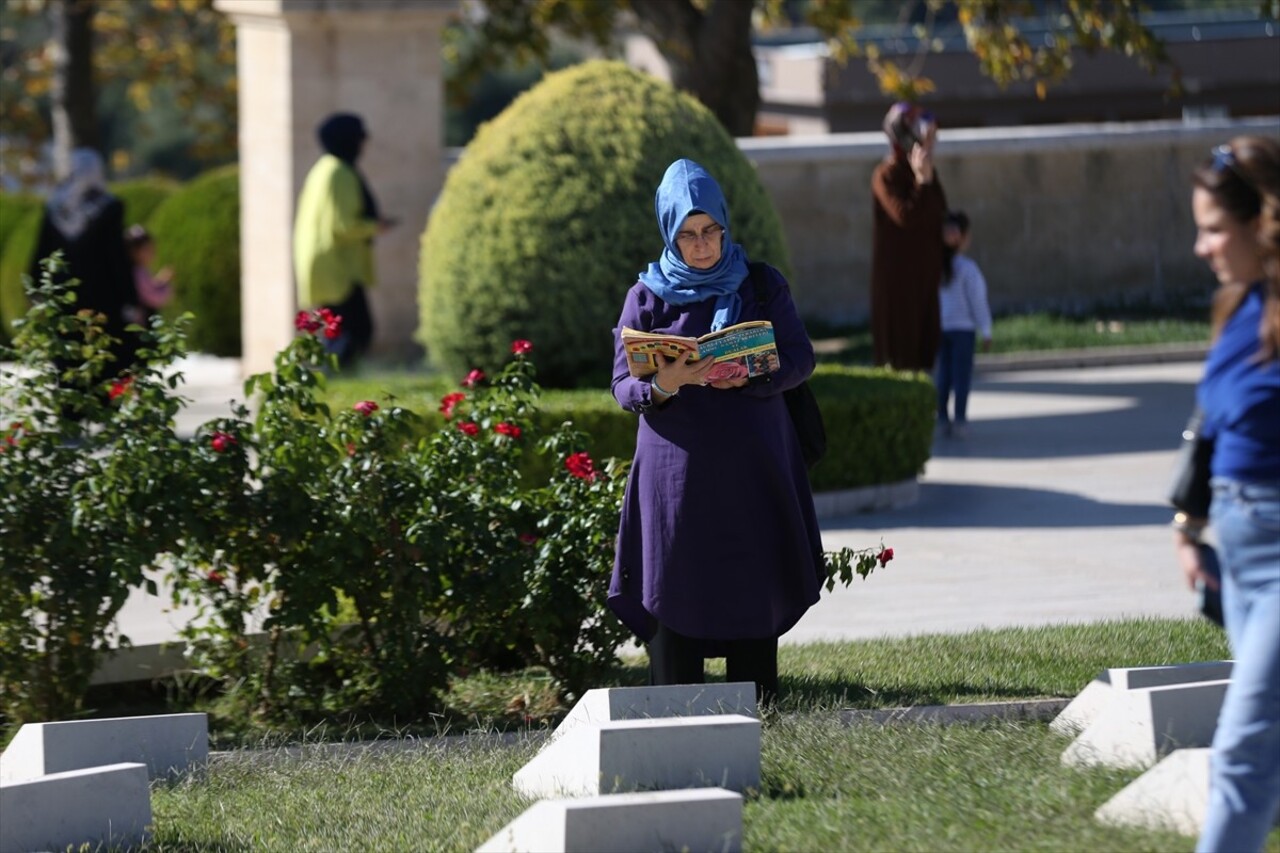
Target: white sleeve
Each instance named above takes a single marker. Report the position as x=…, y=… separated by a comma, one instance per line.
x=976, y=290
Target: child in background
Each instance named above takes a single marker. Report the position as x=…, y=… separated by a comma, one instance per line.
x=154, y=289
x=962, y=302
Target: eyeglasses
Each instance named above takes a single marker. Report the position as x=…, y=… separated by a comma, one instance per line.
x=707, y=235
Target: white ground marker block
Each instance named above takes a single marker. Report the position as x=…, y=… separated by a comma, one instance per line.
x=1172, y=795
x=1085, y=708
x=105, y=806
x=703, y=819
x=1138, y=726
x=636, y=755
x=611, y=704
x=166, y=744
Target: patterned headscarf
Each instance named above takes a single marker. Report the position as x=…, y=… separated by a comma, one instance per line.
x=688, y=188
x=901, y=123
x=81, y=196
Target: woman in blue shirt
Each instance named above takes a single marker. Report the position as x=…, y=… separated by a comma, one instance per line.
x=1236, y=205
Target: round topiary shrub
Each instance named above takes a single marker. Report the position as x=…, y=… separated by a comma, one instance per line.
x=142, y=196
x=19, y=230
x=548, y=219
x=197, y=232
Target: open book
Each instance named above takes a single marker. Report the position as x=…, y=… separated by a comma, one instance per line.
x=741, y=351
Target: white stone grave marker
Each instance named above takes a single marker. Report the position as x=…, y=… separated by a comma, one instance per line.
x=652, y=754
x=100, y=806
x=165, y=743
x=702, y=819
x=610, y=704
x=1138, y=726
x=1090, y=702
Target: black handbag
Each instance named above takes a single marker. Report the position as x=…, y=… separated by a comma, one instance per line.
x=1210, y=599
x=1190, y=492
x=802, y=405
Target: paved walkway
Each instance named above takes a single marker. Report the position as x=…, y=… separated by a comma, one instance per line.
x=1051, y=511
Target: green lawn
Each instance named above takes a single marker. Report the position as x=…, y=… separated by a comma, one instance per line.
x=1041, y=331
x=825, y=786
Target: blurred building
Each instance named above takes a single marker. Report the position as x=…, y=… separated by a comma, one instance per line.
x=1229, y=58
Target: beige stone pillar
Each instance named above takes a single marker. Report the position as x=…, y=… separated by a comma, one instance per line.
x=297, y=62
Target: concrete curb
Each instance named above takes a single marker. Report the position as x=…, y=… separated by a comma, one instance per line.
x=1093, y=357
x=1033, y=709
x=867, y=499
x=1067, y=358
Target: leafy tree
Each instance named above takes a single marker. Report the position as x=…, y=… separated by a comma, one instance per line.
x=91, y=72
x=708, y=42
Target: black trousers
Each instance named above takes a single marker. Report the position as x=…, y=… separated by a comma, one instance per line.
x=357, y=327
x=677, y=659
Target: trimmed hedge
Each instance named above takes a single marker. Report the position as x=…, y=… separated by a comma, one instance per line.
x=548, y=219
x=17, y=210
x=879, y=421
x=197, y=232
x=20, y=217
x=142, y=196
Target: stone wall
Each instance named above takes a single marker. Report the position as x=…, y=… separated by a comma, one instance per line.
x=1064, y=217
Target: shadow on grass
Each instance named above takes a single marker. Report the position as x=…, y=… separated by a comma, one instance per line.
x=804, y=693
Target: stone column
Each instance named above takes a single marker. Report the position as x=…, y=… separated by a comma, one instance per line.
x=297, y=62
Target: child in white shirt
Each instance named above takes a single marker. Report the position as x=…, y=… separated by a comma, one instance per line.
x=962, y=300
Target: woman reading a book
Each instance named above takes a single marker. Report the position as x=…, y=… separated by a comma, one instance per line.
x=718, y=549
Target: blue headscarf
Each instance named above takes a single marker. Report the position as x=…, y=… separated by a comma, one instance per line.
x=687, y=187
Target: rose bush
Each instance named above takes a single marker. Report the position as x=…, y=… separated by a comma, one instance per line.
x=92, y=489
x=376, y=563
x=339, y=563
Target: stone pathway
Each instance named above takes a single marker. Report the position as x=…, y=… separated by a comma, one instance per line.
x=1052, y=510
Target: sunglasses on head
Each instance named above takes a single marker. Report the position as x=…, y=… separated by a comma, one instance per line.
x=1223, y=158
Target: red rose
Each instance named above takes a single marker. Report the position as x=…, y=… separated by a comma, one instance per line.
x=222, y=442
x=580, y=465
x=351, y=449
x=216, y=577
x=469, y=427
x=528, y=539
x=120, y=387
x=450, y=401
x=332, y=323
x=521, y=347
x=885, y=556
x=510, y=430
x=366, y=407
x=307, y=322
x=473, y=378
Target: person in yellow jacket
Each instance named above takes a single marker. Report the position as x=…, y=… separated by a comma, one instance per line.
x=333, y=233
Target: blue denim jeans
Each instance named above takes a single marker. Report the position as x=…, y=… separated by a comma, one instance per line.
x=1244, y=774
x=955, y=373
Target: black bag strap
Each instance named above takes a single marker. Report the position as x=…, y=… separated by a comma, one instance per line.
x=755, y=272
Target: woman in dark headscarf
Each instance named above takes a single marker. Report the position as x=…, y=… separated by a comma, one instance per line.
x=906, y=252
x=718, y=549
x=333, y=233
x=86, y=223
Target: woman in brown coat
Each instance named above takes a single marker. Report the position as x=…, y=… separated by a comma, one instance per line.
x=906, y=249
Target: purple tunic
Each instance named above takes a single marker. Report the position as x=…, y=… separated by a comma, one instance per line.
x=718, y=538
